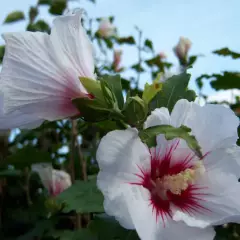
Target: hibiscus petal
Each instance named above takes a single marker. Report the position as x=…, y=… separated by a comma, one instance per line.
x=148, y=227
x=213, y=125
x=32, y=79
x=118, y=156
x=69, y=36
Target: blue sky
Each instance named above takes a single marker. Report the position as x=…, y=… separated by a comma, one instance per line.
x=209, y=24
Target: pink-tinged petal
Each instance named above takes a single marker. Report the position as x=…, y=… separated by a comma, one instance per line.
x=32, y=80
x=72, y=45
x=16, y=119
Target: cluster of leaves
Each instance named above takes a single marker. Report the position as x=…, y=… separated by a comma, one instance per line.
x=27, y=213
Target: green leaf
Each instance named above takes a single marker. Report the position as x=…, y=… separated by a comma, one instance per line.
x=125, y=84
x=126, y=40
x=150, y=90
x=82, y=197
x=148, y=43
x=39, y=26
x=79, y=234
x=173, y=89
x=39, y=230
x=26, y=157
x=10, y=173
x=46, y=2
x=192, y=60
x=107, y=228
x=108, y=43
x=148, y=136
x=138, y=68
x=228, y=80
x=57, y=7
x=2, y=51
x=227, y=52
x=14, y=17
x=157, y=61
x=33, y=12
x=115, y=85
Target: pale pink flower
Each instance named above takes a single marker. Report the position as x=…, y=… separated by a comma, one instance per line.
x=162, y=55
x=182, y=48
x=55, y=181
x=40, y=73
x=117, y=56
x=106, y=28
x=167, y=192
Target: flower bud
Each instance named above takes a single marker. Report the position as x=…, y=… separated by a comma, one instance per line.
x=106, y=28
x=117, y=60
x=162, y=55
x=135, y=110
x=181, y=49
x=55, y=181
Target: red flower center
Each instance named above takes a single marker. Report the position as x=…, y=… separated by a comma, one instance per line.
x=171, y=180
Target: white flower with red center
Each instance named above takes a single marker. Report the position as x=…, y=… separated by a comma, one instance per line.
x=55, y=181
x=106, y=28
x=167, y=192
x=40, y=73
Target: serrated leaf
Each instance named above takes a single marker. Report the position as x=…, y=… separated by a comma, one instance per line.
x=227, y=52
x=173, y=89
x=82, y=197
x=57, y=7
x=26, y=157
x=150, y=90
x=107, y=228
x=2, y=51
x=115, y=85
x=148, y=136
x=14, y=17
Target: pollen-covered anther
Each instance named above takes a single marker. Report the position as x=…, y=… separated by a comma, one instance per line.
x=180, y=182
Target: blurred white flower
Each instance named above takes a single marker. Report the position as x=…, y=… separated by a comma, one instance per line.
x=40, y=73
x=167, y=192
x=55, y=181
x=182, y=48
x=106, y=28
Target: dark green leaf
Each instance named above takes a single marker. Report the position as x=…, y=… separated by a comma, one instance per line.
x=125, y=84
x=138, y=67
x=192, y=60
x=33, y=12
x=47, y=2
x=107, y=228
x=228, y=80
x=10, y=173
x=173, y=89
x=27, y=156
x=39, y=26
x=57, y=7
x=148, y=136
x=126, y=40
x=148, y=43
x=39, y=230
x=2, y=51
x=14, y=17
x=82, y=197
x=227, y=52
x=108, y=42
x=157, y=61
x=200, y=78
x=115, y=85
x=80, y=234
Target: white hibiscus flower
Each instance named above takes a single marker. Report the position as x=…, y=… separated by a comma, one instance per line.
x=167, y=192
x=40, y=73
